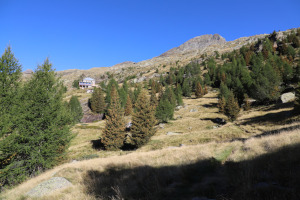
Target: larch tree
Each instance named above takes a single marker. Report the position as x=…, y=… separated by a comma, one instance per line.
x=114, y=132
x=128, y=106
x=143, y=120
x=199, y=90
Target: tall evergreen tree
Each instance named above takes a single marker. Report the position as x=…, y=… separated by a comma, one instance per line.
x=178, y=95
x=153, y=99
x=128, y=106
x=76, y=109
x=232, y=108
x=114, y=133
x=186, y=89
x=97, y=101
x=10, y=74
x=43, y=129
x=143, y=121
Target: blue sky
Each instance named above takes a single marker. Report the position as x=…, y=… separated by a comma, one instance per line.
x=85, y=34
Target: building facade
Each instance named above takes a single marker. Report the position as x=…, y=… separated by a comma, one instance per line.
x=87, y=83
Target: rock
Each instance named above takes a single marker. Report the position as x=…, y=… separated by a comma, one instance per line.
x=287, y=97
x=173, y=133
x=49, y=186
x=128, y=126
x=179, y=117
x=194, y=110
x=28, y=71
x=182, y=145
x=162, y=126
x=178, y=107
x=214, y=127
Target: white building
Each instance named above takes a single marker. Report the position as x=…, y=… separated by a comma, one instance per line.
x=87, y=83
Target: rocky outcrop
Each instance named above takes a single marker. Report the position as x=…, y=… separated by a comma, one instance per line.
x=196, y=44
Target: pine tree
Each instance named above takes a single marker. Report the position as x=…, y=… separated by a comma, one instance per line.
x=114, y=133
x=186, y=89
x=43, y=128
x=128, y=107
x=10, y=74
x=178, y=95
x=76, y=109
x=153, y=99
x=97, y=101
x=164, y=110
x=232, y=108
x=143, y=121
x=199, y=90
x=222, y=104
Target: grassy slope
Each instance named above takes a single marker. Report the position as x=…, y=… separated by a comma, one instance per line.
x=231, y=161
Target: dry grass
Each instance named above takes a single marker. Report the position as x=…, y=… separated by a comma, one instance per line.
x=81, y=173
x=208, y=153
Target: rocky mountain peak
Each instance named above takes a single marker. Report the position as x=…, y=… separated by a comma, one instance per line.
x=196, y=43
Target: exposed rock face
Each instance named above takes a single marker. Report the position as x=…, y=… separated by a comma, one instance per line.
x=197, y=43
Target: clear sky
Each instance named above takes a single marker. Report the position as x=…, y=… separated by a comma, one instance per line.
x=85, y=34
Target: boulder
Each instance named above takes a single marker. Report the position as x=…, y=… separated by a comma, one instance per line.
x=194, y=110
x=287, y=97
x=49, y=186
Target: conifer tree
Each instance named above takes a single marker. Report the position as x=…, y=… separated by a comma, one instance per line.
x=143, y=121
x=153, y=99
x=199, y=90
x=114, y=133
x=186, y=89
x=232, y=108
x=97, y=101
x=205, y=90
x=43, y=128
x=164, y=110
x=10, y=74
x=128, y=107
x=222, y=104
x=178, y=95
x=76, y=109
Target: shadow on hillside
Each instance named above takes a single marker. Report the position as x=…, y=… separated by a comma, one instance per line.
x=210, y=105
x=266, y=133
x=271, y=176
x=280, y=106
x=270, y=117
x=96, y=144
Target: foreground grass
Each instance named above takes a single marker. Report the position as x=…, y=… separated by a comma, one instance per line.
x=258, y=168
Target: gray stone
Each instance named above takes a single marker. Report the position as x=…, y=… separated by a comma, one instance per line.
x=49, y=186
x=162, y=126
x=178, y=107
x=173, y=133
x=182, y=145
x=194, y=110
x=287, y=97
